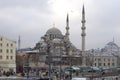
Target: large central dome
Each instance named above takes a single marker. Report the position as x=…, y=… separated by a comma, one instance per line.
x=54, y=31
x=112, y=45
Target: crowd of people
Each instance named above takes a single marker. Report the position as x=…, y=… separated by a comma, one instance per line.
x=54, y=74
x=7, y=73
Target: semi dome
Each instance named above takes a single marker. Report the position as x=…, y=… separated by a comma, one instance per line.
x=54, y=31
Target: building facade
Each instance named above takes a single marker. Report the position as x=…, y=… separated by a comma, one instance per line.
x=7, y=54
x=107, y=57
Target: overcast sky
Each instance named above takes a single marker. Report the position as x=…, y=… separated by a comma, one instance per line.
x=32, y=18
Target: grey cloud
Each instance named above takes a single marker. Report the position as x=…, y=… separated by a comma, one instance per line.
x=32, y=18
x=6, y=3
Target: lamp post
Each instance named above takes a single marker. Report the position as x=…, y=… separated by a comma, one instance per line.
x=99, y=65
x=70, y=57
x=60, y=59
x=27, y=65
x=48, y=50
x=71, y=67
x=92, y=63
x=38, y=45
x=92, y=67
x=49, y=56
x=48, y=41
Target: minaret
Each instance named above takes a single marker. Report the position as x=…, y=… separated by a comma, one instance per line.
x=19, y=42
x=113, y=40
x=83, y=34
x=67, y=27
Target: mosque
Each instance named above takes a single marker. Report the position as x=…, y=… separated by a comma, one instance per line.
x=58, y=48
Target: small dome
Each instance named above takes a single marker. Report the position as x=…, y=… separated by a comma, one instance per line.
x=56, y=40
x=54, y=31
x=111, y=44
x=42, y=44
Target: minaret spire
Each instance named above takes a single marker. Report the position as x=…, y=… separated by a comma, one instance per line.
x=83, y=10
x=113, y=39
x=67, y=26
x=83, y=34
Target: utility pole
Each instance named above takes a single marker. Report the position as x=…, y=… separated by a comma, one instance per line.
x=60, y=59
x=71, y=67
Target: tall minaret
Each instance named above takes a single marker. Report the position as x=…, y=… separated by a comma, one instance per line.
x=67, y=27
x=83, y=34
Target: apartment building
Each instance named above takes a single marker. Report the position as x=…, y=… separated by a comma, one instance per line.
x=7, y=54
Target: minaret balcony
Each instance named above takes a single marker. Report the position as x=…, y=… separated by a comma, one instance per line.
x=83, y=28
x=67, y=33
x=83, y=21
x=67, y=28
x=83, y=34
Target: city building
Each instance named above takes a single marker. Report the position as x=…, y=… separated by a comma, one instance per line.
x=7, y=54
x=107, y=57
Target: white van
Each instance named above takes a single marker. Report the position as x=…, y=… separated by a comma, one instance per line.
x=80, y=79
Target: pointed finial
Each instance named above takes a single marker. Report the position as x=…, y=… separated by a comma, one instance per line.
x=19, y=37
x=83, y=11
x=67, y=18
x=53, y=25
x=67, y=27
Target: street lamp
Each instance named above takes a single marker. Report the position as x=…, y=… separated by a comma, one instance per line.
x=59, y=42
x=27, y=64
x=70, y=57
x=60, y=58
x=49, y=56
x=37, y=57
x=49, y=45
x=70, y=67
